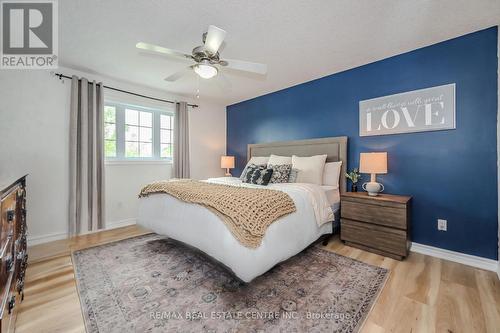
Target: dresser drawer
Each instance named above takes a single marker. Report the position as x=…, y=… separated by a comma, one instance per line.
x=13, y=258
x=9, y=313
x=384, y=215
x=6, y=264
x=8, y=217
x=374, y=236
x=6, y=321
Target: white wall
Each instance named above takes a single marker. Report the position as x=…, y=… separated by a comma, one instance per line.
x=123, y=183
x=34, y=131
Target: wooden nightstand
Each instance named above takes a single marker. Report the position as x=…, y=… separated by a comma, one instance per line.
x=378, y=224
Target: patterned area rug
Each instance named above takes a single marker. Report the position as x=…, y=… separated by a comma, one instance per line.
x=154, y=284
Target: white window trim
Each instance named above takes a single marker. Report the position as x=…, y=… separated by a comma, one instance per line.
x=137, y=162
x=120, y=159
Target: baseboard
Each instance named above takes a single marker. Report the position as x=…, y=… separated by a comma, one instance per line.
x=461, y=258
x=40, y=239
x=35, y=240
x=121, y=223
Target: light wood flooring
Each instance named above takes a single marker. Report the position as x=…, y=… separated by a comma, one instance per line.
x=422, y=294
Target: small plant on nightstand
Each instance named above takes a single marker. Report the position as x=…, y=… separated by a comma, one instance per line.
x=354, y=176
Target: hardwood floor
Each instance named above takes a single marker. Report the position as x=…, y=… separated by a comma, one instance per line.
x=51, y=302
x=422, y=294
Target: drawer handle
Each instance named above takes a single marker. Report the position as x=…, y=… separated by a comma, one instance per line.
x=10, y=215
x=12, y=303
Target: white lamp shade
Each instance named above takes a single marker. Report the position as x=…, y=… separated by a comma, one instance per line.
x=373, y=162
x=205, y=71
x=227, y=162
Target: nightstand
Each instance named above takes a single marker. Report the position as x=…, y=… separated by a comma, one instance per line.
x=378, y=224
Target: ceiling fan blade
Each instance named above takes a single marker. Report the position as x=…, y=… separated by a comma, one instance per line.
x=214, y=39
x=246, y=66
x=162, y=50
x=178, y=75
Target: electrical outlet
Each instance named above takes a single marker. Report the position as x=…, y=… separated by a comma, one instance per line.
x=442, y=225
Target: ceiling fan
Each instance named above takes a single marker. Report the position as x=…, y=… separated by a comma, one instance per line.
x=206, y=57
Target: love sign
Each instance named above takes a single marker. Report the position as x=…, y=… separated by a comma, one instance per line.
x=430, y=109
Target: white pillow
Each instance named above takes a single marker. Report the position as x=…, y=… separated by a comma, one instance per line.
x=258, y=160
x=310, y=169
x=279, y=160
x=331, y=173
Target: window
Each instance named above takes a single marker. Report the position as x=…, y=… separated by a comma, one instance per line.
x=110, y=131
x=137, y=133
x=166, y=135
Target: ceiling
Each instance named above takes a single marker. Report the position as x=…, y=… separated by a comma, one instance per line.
x=298, y=40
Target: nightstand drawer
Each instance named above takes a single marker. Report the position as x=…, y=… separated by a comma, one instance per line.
x=374, y=236
x=383, y=215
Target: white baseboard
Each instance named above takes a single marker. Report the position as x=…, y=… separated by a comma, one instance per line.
x=121, y=223
x=461, y=258
x=40, y=239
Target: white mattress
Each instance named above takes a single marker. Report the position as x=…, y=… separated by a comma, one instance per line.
x=197, y=226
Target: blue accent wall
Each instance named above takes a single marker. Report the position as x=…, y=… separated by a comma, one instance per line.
x=451, y=174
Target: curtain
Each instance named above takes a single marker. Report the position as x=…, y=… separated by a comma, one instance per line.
x=181, y=141
x=86, y=192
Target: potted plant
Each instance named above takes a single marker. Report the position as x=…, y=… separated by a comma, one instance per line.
x=354, y=176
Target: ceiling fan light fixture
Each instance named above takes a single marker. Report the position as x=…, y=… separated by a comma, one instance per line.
x=207, y=59
x=205, y=71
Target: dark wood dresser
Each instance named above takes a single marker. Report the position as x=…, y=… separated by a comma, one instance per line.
x=13, y=245
x=378, y=224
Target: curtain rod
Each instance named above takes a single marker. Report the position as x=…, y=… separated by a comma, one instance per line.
x=62, y=76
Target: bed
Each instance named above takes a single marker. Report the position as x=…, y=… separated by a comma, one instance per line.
x=199, y=227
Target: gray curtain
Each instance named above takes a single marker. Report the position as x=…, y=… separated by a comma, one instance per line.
x=86, y=191
x=181, y=141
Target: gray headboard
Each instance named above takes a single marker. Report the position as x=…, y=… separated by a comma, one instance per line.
x=335, y=148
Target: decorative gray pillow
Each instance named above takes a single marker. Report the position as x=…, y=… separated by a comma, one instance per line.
x=292, y=178
x=243, y=176
x=281, y=173
x=258, y=175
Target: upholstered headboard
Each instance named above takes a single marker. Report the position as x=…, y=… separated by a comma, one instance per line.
x=335, y=148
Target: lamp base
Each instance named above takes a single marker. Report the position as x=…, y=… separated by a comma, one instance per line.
x=228, y=174
x=373, y=188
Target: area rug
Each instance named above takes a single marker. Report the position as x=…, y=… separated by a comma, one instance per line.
x=153, y=284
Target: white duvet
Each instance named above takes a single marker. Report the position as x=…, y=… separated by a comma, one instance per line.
x=197, y=226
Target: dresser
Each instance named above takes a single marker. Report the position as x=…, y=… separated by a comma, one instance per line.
x=378, y=224
x=13, y=245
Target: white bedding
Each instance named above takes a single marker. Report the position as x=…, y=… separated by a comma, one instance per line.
x=333, y=196
x=199, y=227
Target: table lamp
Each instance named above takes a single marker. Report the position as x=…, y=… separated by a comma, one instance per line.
x=227, y=162
x=373, y=163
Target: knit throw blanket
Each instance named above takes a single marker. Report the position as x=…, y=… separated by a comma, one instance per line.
x=247, y=212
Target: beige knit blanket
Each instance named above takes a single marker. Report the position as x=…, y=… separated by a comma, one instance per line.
x=247, y=212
